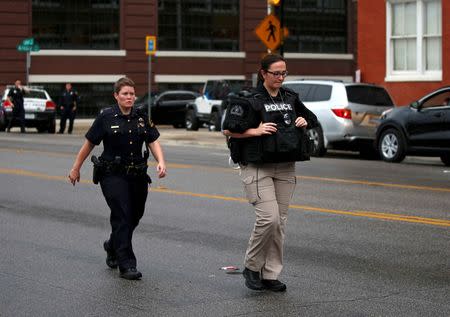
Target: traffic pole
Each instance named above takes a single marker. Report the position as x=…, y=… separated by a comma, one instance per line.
x=149, y=97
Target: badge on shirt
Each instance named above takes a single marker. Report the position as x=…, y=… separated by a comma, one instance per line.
x=287, y=119
x=141, y=122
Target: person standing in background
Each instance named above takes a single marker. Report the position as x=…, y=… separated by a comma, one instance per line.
x=15, y=96
x=68, y=105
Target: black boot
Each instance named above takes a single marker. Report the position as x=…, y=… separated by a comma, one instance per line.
x=252, y=280
x=111, y=260
x=130, y=274
x=274, y=285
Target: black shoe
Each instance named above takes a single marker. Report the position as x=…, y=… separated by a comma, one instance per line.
x=252, y=280
x=111, y=260
x=130, y=274
x=274, y=285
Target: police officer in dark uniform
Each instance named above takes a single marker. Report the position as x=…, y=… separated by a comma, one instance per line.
x=68, y=105
x=122, y=171
x=15, y=96
x=267, y=131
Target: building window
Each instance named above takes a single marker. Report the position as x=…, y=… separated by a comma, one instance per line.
x=316, y=26
x=414, y=40
x=74, y=24
x=198, y=25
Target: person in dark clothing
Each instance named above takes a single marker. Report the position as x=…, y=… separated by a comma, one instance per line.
x=68, y=103
x=268, y=136
x=15, y=96
x=123, y=171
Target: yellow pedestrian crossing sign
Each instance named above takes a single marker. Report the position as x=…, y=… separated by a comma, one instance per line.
x=269, y=32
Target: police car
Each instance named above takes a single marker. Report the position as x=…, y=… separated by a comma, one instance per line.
x=40, y=110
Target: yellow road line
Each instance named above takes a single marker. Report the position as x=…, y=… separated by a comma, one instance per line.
x=349, y=181
x=367, y=214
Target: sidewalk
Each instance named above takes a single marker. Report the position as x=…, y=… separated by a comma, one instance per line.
x=169, y=135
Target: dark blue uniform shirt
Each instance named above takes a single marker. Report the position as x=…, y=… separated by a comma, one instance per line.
x=16, y=96
x=122, y=135
x=68, y=99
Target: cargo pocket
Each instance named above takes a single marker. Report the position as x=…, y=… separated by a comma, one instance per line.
x=250, y=187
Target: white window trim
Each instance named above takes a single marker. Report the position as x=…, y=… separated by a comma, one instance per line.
x=409, y=76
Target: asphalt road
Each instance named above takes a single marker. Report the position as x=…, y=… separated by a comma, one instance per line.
x=364, y=238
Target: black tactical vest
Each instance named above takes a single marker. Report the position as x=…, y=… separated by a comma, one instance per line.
x=288, y=144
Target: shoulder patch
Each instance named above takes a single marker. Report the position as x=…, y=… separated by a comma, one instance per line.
x=237, y=110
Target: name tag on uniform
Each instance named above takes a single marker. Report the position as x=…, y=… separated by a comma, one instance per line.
x=114, y=127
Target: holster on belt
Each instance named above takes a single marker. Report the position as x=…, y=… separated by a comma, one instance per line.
x=99, y=169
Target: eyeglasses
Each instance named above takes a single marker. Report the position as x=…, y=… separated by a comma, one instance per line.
x=278, y=74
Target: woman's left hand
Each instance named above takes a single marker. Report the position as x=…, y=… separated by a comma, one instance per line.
x=161, y=169
x=300, y=122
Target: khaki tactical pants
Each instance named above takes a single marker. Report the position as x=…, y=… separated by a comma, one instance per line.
x=269, y=187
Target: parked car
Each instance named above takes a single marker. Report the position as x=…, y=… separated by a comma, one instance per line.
x=422, y=128
x=168, y=107
x=347, y=113
x=207, y=109
x=40, y=110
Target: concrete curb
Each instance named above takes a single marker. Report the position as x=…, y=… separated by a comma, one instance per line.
x=169, y=135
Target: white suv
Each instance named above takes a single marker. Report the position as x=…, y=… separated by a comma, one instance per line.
x=40, y=110
x=347, y=113
x=207, y=109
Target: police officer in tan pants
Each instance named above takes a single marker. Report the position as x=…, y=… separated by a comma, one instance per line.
x=269, y=188
x=267, y=136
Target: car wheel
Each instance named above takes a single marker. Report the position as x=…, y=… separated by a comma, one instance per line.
x=445, y=158
x=191, y=120
x=391, y=146
x=316, y=134
x=214, y=122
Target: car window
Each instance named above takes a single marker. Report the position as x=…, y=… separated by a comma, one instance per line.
x=322, y=93
x=167, y=97
x=311, y=92
x=440, y=100
x=35, y=94
x=186, y=96
x=368, y=95
x=209, y=89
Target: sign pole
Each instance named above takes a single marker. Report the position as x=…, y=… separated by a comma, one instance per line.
x=150, y=49
x=149, y=100
x=28, y=68
x=282, y=28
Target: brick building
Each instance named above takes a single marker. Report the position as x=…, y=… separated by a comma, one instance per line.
x=404, y=45
x=92, y=43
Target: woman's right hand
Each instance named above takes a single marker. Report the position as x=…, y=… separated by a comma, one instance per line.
x=266, y=128
x=74, y=176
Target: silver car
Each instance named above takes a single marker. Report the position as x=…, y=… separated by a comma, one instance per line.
x=347, y=112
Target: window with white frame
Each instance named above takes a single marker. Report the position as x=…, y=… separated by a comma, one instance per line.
x=414, y=40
